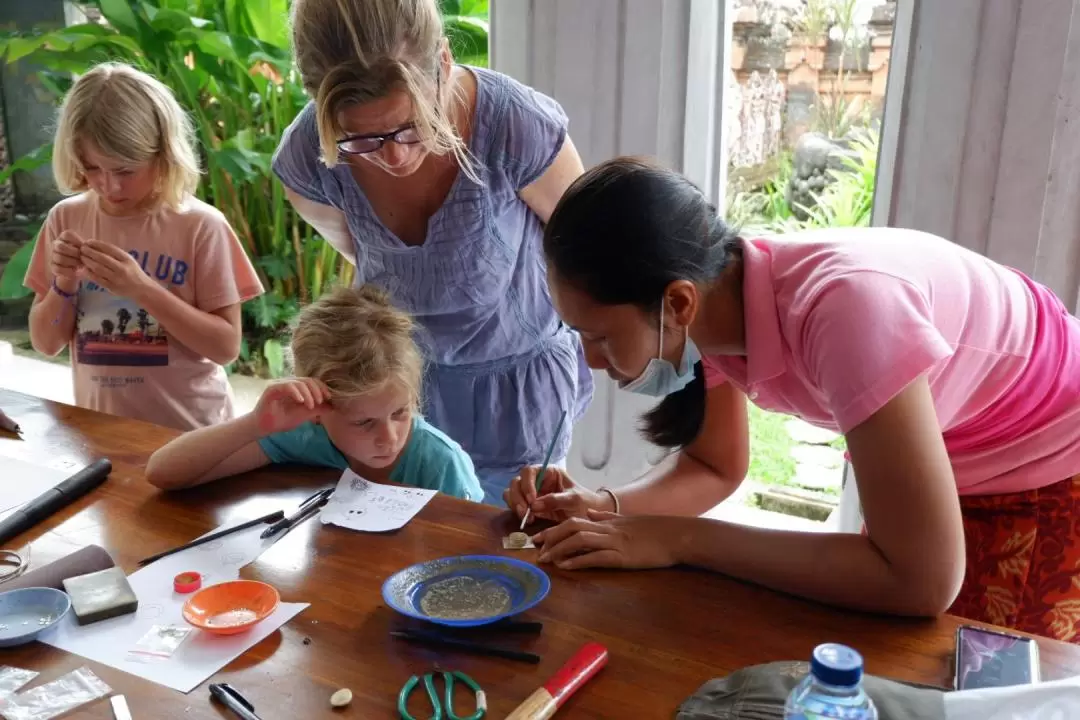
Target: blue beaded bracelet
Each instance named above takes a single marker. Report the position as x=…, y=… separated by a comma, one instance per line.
x=63, y=293
x=72, y=299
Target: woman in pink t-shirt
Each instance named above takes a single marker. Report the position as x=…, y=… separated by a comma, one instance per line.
x=141, y=279
x=955, y=381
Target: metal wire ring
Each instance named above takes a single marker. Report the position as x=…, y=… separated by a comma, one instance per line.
x=20, y=563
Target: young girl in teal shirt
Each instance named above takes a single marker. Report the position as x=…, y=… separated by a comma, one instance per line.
x=353, y=404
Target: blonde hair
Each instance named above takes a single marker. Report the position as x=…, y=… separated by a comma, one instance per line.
x=355, y=341
x=351, y=52
x=131, y=117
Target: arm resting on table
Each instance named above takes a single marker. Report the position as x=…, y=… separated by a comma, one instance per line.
x=207, y=454
x=912, y=559
x=911, y=562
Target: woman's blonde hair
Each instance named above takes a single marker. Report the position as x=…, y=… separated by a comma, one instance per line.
x=355, y=341
x=351, y=52
x=131, y=117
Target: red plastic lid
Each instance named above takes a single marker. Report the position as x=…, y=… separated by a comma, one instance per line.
x=187, y=582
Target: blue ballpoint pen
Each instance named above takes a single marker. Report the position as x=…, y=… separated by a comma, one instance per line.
x=231, y=698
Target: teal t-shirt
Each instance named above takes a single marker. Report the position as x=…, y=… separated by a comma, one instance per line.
x=430, y=459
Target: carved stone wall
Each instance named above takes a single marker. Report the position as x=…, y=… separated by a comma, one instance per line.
x=757, y=118
x=788, y=82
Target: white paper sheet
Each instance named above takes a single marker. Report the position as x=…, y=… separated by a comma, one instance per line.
x=1057, y=700
x=21, y=482
x=358, y=504
x=201, y=654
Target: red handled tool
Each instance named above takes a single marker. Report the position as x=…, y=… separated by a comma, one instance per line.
x=543, y=703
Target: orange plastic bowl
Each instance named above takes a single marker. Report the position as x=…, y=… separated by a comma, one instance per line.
x=231, y=607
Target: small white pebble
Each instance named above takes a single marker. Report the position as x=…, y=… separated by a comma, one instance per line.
x=341, y=698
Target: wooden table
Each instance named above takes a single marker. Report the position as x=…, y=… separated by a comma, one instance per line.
x=668, y=631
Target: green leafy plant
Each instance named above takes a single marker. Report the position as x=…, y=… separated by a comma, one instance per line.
x=847, y=201
x=466, y=24
x=11, y=281
x=38, y=157
x=766, y=208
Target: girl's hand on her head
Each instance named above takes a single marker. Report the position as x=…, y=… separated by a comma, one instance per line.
x=66, y=259
x=559, y=498
x=287, y=404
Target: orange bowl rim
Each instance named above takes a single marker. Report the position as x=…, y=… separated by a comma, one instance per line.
x=188, y=609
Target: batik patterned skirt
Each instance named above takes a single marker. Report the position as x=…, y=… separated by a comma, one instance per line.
x=1023, y=560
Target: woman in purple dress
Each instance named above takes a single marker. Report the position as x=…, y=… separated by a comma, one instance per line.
x=436, y=179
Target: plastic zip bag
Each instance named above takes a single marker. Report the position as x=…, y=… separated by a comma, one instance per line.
x=159, y=643
x=12, y=678
x=55, y=698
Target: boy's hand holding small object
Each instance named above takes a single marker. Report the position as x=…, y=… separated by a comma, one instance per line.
x=65, y=260
x=287, y=404
x=114, y=269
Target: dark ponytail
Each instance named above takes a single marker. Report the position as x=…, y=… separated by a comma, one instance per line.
x=677, y=420
x=621, y=234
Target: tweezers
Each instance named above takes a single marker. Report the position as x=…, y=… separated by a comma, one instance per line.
x=426, y=637
x=523, y=627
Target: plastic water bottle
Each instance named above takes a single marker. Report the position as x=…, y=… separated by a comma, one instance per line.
x=833, y=689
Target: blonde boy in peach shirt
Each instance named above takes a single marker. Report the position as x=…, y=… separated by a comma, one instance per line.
x=143, y=280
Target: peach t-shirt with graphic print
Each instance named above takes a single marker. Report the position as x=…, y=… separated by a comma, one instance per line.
x=124, y=362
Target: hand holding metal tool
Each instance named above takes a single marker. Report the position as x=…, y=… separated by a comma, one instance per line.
x=544, y=467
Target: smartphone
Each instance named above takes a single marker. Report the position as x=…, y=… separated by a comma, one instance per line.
x=988, y=658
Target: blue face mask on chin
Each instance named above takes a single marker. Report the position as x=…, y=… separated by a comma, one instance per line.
x=660, y=378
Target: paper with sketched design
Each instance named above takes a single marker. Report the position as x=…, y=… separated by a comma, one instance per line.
x=360, y=504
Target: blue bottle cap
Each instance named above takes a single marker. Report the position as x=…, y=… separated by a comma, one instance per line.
x=836, y=665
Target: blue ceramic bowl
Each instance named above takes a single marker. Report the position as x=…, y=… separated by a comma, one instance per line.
x=26, y=613
x=466, y=591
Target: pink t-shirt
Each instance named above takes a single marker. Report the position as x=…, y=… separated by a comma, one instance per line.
x=123, y=361
x=838, y=322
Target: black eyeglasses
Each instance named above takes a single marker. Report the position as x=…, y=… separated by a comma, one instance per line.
x=364, y=144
